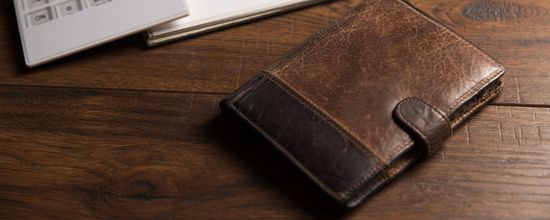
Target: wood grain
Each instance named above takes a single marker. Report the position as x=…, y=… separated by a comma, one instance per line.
x=515, y=32
x=127, y=132
x=80, y=153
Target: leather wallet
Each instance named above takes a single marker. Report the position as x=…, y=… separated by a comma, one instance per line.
x=360, y=101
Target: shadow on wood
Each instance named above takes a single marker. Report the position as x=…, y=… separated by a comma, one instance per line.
x=269, y=164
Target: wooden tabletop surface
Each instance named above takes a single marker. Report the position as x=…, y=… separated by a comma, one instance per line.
x=124, y=131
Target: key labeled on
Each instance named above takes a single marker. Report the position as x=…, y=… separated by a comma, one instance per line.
x=69, y=7
x=39, y=17
x=35, y=3
x=98, y=2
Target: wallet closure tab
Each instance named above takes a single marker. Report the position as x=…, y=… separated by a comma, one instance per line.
x=425, y=122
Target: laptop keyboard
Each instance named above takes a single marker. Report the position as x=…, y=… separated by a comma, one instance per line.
x=38, y=12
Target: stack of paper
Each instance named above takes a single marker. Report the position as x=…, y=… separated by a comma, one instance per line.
x=209, y=15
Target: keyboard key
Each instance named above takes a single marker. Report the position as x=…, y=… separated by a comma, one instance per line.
x=69, y=7
x=98, y=2
x=39, y=17
x=35, y=3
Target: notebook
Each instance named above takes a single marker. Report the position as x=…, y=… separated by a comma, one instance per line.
x=209, y=15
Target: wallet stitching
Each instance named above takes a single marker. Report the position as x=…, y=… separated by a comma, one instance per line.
x=344, y=134
x=480, y=103
x=257, y=83
x=474, y=89
x=369, y=188
x=387, y=178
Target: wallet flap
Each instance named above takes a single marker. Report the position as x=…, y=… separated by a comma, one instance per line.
x=424, y=122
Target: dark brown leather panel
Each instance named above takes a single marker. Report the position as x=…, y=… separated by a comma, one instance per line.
x=383, y=52
x=337, y=162
x=425, y=122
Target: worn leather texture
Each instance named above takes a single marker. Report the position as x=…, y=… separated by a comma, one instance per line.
x=358, y=102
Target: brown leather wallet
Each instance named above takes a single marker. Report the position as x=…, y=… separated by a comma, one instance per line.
x=357, y=103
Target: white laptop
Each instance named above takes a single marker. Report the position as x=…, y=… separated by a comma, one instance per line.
x=51, y=29
x=208, y=15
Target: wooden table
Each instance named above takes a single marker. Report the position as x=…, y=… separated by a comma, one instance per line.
x=124, y=131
